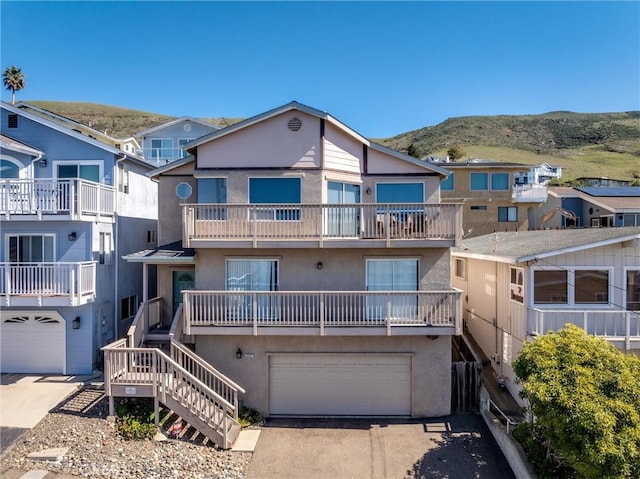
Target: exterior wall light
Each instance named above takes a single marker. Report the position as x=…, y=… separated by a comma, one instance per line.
x=43, y=163
x=239, y=354
x=76, y=323
x=319, y=265
x=72, y=236
x=368, y=191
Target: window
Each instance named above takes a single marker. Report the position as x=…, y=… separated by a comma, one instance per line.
x=591, y=286
x=12, y=120
x=151, y=236
x=478, y=207
x=212, y=190
x=517, y=285
x=479, y=181
x=500, y=181
x=128, y=307
x=633, y=290
x=90, y=172
x=507, y=213
x=104, y=254
x=9, y=169
x=448, y=184
x=399, y=193
x=123, y=179
x=392, y=275
x=550, y=287
x=460, y=268
x=31, y=248
x=252, y=275
x=183, y=190
x=276, y=191
x=161, y=148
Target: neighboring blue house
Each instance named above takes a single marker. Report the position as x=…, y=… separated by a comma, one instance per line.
x=162, y=144
x=70, y=207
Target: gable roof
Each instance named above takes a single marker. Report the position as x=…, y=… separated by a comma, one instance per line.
x=294, y=105
x=74, y=134
x=12, y=144
x=619, y=199
x=523, y=246
x=175, y=122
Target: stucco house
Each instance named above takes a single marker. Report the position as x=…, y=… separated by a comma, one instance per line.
x=308, y=267
x=70, y=207
x=519, y=285
x=164, y=143
x=493, y=194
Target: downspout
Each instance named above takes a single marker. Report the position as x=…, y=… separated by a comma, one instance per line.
x=116, y=248
x=33, y=170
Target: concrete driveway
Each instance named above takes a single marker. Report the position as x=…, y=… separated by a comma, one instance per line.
x=457, y=446
x=25, y=399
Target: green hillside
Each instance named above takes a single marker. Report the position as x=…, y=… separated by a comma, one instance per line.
x=584, y=144
x=115, y=121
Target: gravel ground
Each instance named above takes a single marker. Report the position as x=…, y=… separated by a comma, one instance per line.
x=96, y=450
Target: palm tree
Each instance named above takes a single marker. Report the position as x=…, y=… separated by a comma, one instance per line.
x=13, y=80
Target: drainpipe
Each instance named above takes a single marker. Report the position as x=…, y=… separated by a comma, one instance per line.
x=33, y=170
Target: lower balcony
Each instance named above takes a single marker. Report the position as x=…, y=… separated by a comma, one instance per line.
x=47, y=284
x=337, y=313
x=620, y=327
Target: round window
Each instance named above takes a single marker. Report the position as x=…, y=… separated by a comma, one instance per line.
x=184, y=190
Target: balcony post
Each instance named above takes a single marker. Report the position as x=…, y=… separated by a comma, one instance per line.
x=254, y=307
x=388, y=314
x=321, y=216
x=72, y=285
x=72, y=195
x=585, y=322
x=321, y=314
x=627, y=325
x=254, y=226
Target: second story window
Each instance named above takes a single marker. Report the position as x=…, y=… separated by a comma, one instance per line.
x=104, y=255
x=90, y=172
x=479, y=181
x=212, y=190
x=449, y=184
x=181, y=142
x=500, y=181
x=276, y=191
x=399, y=193
x=31, y=248
x=123, y=179
x=161, y=148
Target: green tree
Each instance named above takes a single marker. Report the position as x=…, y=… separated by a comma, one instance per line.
x=412, y=150
x=456, y=152
x=13, y=80
x=585, y=397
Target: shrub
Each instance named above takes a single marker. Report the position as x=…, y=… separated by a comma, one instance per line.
x=248, y=416
x=135, y=421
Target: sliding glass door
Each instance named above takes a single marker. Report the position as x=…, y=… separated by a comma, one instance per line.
x=392, y=275
x=342, y=220
x=249, y=275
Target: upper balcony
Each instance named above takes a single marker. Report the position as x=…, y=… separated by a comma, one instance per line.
x=324, y=313
x=361, y=225
x=530, y=193
x=48, y=284
x=56, y=199
x=162, y=156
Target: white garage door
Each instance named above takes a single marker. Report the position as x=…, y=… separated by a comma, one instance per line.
x=32, y=342
x=340, y=384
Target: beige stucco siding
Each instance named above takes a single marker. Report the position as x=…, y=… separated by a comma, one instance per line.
x=430, y=363
x=342, y=152
x=169, y=207
x=343, y=269
x=269, y=143
x=380, y=163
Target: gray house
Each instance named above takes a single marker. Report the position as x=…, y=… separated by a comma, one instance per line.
x=70, y=207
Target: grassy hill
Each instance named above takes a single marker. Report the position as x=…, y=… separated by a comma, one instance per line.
x=584, y=144
x=117, y=122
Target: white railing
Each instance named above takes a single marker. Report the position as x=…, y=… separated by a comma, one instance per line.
x=321, y=309
x=75, y=280
x=614, y=325
x=72, y=197
x=529, y=193
x=172, y=385
x=161, y=156
x=321, y=221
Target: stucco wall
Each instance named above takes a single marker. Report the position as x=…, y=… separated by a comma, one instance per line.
x=430, y=369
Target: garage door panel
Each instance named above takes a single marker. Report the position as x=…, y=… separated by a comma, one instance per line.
x=32, y=343
x=340, y=384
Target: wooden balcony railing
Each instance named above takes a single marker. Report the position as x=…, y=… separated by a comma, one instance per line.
x=73, y=282
x=74, y=198
x=614, y=325
x=320, y=222
x=322, y=309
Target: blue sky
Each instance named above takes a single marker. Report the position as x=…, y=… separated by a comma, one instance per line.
x=381, y=67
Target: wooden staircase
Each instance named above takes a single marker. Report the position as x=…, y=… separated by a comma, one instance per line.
x=181, y=380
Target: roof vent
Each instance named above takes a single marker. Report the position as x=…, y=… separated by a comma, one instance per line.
x=294, y=124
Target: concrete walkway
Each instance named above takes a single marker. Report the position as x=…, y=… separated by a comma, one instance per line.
x=457, y=446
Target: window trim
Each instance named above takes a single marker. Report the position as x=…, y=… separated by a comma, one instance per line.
x=471, y=175
x=160, y=157
x=516, y=285
x=105, y=252
x=626, y=270
x=452, y=175
x=253, y=259
x=123, y=178
x=291, y=214
x=500, y=173
x=7, y=237
x=570, y=275
x=393, y=258
x=462, y=261
x=78, y=163
x=375, y=187
x=508, y=208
